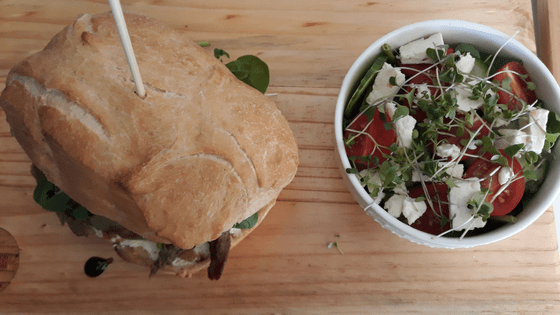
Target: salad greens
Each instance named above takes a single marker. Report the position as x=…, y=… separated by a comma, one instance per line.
x=482, y=114
x=249, y=69
x=247, y=223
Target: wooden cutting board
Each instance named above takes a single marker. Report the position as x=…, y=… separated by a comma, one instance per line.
x=285, y=266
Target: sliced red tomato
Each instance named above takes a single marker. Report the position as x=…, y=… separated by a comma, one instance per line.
x=417, y=67
x=412, y=69
x=453, y=139
x=418, y=74
x=512, y=194
x=363, y=145
x=518, y=86
x=430, y=222
x=419, y=78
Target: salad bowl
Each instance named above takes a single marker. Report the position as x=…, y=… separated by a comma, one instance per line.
x=485, y=39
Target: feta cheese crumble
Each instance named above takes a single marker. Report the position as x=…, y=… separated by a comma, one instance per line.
x=412, y=210
x=458, y=208
x=465, y=63
x=394, y=205
x=372, y=183
x=448, y=150
x=401, y=204
x=463, y=94
x=404, y=127
x=422, y=92
x=382, y=87
x=505, y=174
x=415, y=51
x=510, y=137
x=536, y=129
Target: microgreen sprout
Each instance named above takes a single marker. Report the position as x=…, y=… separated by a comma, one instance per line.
x=334, y=244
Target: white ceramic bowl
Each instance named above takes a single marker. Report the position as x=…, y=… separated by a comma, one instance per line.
x=485, y=39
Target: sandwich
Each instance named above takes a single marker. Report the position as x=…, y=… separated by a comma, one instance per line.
x=174, y=179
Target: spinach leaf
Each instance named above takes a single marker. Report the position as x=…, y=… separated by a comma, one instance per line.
x=219, y=53
x=468, y=48
x=50, y=197
x=251, y=70
x=247, y=223
x=366, y=82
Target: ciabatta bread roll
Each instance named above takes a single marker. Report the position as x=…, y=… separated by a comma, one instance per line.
x=201, y=152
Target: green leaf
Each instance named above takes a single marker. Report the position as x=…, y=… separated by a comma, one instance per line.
x=553, y=124
x=366, y=82
x=443, y=221
x=248, y=223
x=81, y=213
x=552, y=137
x=421, y=198
x=450, y=182
x=219, y=53
x=388, y=126
x=401, y=111
x=506, y=84
x=50, y=197
x=446, y=77
x=512, y=150
x=43, y=188
x=488, y=146
x=530, y=175
x=393, y=81
x=369, y=112
x=251, y=70
x=484, y=211
x=388, y=173
x=477, y=199
x=375, y=161
x=504, y=218
x=502, y=160
x=531, y=157
x=431, y=53
x=468, y=48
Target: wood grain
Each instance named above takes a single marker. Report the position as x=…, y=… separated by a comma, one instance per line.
x=284, y=267
x=548, y=16
x=9, y=258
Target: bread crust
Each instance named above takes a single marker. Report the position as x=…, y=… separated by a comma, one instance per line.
x=201, y=152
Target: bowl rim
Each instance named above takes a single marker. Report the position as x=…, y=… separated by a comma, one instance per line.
x=429, y=27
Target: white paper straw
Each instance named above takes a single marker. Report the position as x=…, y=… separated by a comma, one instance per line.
x=127, y=45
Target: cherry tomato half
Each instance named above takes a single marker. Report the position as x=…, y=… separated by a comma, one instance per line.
x=518, y=86
x=510, y=197
x=421, y=78
x=363, y=145
x=429, y=222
